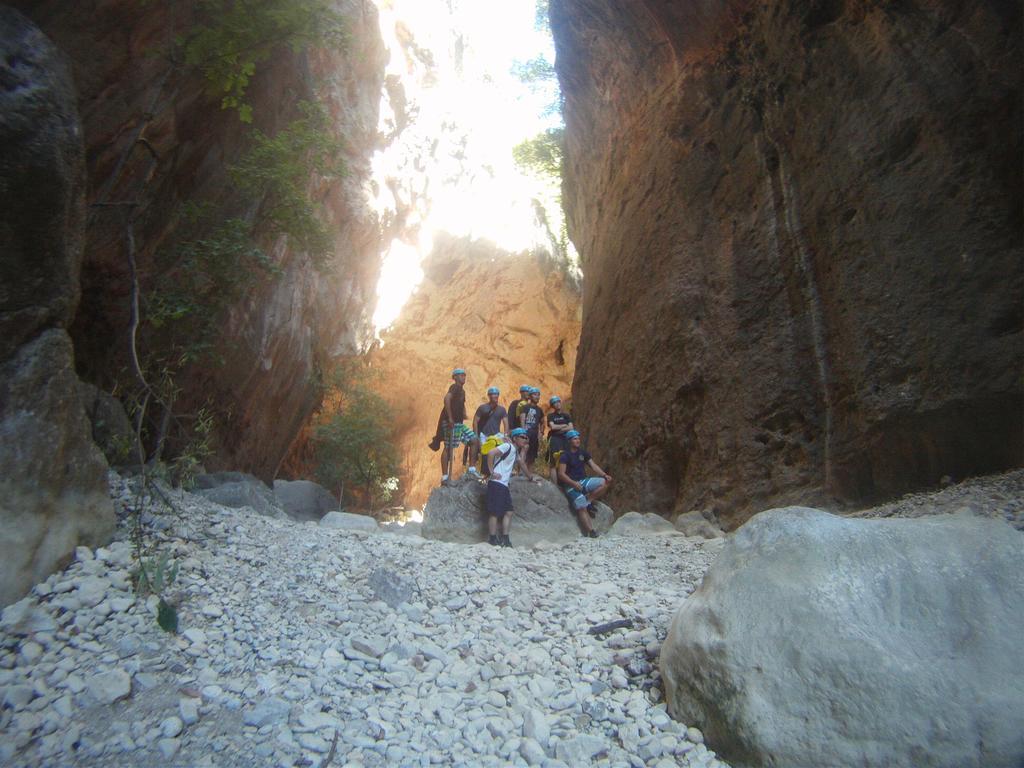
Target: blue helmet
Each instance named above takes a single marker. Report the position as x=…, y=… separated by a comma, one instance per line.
x=518, y=432
x=493, y=391
x=554, y=399
x=457, y=371
x=534, y=390
x=525, y=388
x=571, y=434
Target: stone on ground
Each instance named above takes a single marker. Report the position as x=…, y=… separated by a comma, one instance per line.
x=634, y=523
x=817, y=640
x=237, y=490
x=456, y=513
x=304, y=500
x=349, y=521
x=694, y=524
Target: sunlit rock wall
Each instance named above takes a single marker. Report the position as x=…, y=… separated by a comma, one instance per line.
x=156, y=135
x=508, y=319
x=801, y=232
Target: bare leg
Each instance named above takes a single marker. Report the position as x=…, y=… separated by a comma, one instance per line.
x=600, y=492
x=492, y=525
x=446, y=456
x=506, y=523
x=584, y=517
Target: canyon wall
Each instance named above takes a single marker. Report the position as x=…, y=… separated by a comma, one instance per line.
x=156, y=139
x=508, y=319
x=800, y=225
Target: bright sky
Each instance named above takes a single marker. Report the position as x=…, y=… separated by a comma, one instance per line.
x=454, y=163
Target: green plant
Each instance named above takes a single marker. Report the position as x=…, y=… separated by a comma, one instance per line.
x=542, y=155
x=352, y=441
x=278, y=169
x=231, y=37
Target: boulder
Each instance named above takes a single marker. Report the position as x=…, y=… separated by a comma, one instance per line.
x=53, y=487
x=304, y=500
x=349, y=522
x=112, y=430
x=819, y=640
x=541, y=513
x=695, y=525
x=238, y=489
x=634, y=523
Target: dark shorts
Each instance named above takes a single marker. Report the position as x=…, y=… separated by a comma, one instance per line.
x=499, y=499
x=531, y=451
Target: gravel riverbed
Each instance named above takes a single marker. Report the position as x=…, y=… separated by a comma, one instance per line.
x=300, y=645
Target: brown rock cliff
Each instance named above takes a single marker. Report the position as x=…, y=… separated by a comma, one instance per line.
x=156, y=135
x=508, y=319
x=801, y=233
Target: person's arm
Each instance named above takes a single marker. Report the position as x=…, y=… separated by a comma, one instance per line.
x=598, y=471
x=448, y=408
x=526, y=469
x=495, y=452
x=476, y=423
x=503, y=427
x=521, y=416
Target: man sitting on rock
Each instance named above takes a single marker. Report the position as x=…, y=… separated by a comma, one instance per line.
x=582, y=491
x=501, y=460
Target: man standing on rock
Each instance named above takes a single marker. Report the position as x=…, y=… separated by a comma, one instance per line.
x=559, y=424
x=531, y=418
x=582, y=491
x=489, y=419
x=513, y=407
x=455, y=432
x=501, y=460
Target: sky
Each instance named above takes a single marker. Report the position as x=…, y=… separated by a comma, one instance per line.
x=456, y=158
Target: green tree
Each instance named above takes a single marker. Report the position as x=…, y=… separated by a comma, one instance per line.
x=352, y=443
x=542, y=155
x=230, y=37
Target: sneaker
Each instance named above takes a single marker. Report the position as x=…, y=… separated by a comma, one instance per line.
x=472, y=472
x=592, y=535
x=493, y=541
x=444, y=480
x=505, y=541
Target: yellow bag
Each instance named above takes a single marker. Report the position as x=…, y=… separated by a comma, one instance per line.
x=490, y=443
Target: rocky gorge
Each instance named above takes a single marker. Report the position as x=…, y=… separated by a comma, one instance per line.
x=800, y=233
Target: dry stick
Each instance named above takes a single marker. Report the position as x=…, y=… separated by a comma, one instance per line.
x=330, y=754
x=602, y=629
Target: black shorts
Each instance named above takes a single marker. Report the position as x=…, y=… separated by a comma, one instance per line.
x=534, y=447
x=499, y=498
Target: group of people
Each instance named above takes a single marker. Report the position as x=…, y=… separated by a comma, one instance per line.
x=510, y=438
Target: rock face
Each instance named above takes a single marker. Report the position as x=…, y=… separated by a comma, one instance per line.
x=800, y=226
x=157, y=135
x=53, y=493
x=541, y=513
x=816, y=640
x=508, y=319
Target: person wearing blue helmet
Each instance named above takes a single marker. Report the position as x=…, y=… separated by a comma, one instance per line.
x=531, y=418
x=513, y=407
x=453, y=414
x=559, y=423
x=489, y=419
x=582, y=491
x=501, y=460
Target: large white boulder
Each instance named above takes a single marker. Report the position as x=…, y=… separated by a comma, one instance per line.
x=541, y=513
x=816, y=640
x=638, y=523
x=304, y=500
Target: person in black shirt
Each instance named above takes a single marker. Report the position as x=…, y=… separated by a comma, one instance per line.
x=453, y=414
x=513, y=407
x=489, y=419
x=559, y=422
x=531, y=418
x=581, y=490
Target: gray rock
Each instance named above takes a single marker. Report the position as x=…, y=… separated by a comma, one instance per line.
x=633, y=523
x=580, y=750
x=47, y=506
x=536, y=726
x=695, y=525
x=349, y=522
x=108, y=687
x=112, y=430
x=269, y=711
x=239, y=489
x=389, y=585
x=26, y=617
x=456, y=513
x=531, y=752
x=818, y=640
x=304, y=500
